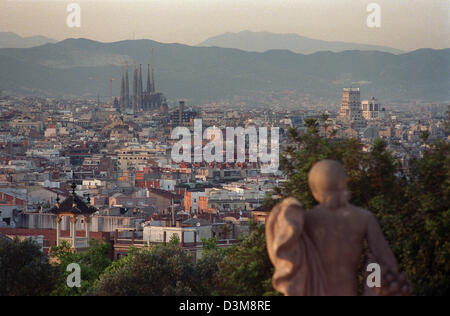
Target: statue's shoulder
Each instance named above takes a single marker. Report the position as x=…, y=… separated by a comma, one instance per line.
x=289, y=210
x=361, y=213
x=290, y=202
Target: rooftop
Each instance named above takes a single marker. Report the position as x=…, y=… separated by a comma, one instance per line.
x=73, y=204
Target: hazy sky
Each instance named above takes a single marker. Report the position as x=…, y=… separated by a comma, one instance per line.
x=405, y=24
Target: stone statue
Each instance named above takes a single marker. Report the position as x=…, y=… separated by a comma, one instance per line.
x=319, y=252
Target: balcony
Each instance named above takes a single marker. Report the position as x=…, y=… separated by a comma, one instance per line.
x=80, y=243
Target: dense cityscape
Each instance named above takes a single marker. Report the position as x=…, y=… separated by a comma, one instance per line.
x=118, y=155
x=250, y=164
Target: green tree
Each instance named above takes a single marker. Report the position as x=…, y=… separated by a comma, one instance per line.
x=270, y=200
x=412, y=206
x=305, y=150
x=324, y=123
x=92, y=263
x=24, y=269
x=161, y=270
x=245, y=269
x=226, y=230
x=174, y=240
x=424, y=231
x=207, y=266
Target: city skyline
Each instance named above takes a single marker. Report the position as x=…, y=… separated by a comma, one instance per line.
x=232, y=170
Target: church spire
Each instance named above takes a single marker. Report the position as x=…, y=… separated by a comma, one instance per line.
x=153, y=74
x=127, y=89
x=139, y=105
x=149, y=84
x=122, y=90
x=135, y=84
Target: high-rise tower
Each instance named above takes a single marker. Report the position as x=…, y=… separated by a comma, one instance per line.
x=371, y=109
x=350, y=111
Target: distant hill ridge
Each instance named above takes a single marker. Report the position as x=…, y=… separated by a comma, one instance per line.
x=264, y=41
x=81, y=67
x=12, y=40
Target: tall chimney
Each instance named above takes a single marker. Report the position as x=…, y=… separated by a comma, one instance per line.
x=173, y=215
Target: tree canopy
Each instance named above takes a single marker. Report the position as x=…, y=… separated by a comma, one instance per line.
x=411, y=203
x=93, y=262
x=154, y=271
x=24, y=269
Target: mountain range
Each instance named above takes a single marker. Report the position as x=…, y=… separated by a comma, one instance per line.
x=82, y=67
x=12, y=40
x=264, y=41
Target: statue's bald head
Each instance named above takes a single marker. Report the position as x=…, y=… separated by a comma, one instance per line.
x=328, y=183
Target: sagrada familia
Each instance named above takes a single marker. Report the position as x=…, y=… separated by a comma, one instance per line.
x=140, y=100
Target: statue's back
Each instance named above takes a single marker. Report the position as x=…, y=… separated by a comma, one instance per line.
x=338, y=236
x=319, y=252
